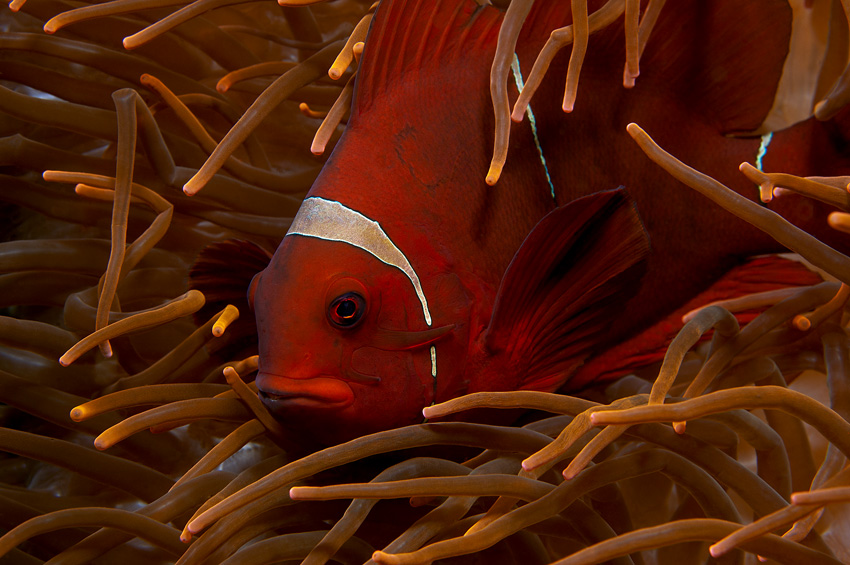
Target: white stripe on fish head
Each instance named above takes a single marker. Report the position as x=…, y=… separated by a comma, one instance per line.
x=333, y=221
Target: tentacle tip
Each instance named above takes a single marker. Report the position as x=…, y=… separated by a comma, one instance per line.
x=629, y=77
x=230, y=374
x=317, y=149
x=679, y=427
x=105, y=349
x=101, y=444
x=518, y=113
x=493, y=174
x=66, y=360
x=298, y=493
x=185, y=536
x=837, y=220
x=78, y=414
x=568, y=106
x=130, y=42
x=716, y=550
x=634, y=129
x=530, y=463
x=50, y=27
x=221, y=325
x=802, y=323
x=384, y=558
x=568, y=474
x=821, y=110
x=420, y=501
x=334, y=73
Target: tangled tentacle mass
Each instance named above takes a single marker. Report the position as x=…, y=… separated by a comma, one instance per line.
x=736, y=446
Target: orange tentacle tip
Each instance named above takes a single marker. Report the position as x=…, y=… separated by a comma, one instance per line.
x=802, y=323
x=518, y=113
x=629, y=78
x=101, y=443
x=839, y=221
x=230, y=315
x=79, y=413
x=318, y=146
x=494, y=173
x=310, y=113
x=132, y=41
x=69, y=357
x=230, y=375
x=569, y=99
x=193, y=186
x=340, y=65
x=51, y=26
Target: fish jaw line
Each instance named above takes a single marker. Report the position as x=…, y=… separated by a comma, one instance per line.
x=279, y=393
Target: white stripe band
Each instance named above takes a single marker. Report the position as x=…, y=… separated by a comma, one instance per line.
x=330, y=220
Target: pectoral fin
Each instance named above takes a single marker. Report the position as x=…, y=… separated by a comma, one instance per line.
x=565, y=285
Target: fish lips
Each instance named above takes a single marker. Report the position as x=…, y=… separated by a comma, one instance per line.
x=281, y=394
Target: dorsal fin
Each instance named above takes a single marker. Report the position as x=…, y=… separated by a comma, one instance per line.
x=410, y=35
x=565, y=285
x=724, y=57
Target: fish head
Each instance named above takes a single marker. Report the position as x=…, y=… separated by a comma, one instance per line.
x=347, y=344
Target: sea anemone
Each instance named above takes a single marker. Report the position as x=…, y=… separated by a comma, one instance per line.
x=113, y=303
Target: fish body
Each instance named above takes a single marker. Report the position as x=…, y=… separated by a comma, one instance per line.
x=405, y=280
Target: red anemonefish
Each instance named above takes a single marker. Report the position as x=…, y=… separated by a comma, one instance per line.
x=405, y=280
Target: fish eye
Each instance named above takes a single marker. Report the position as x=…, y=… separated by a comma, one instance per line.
x=346, y=310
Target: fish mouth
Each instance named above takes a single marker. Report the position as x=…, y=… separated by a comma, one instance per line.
x=279, y=393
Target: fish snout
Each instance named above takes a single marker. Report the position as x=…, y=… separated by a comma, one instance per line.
x=280, y=394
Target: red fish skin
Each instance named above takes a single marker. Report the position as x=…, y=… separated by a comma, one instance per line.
x=693, y=240
x=413, y=158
